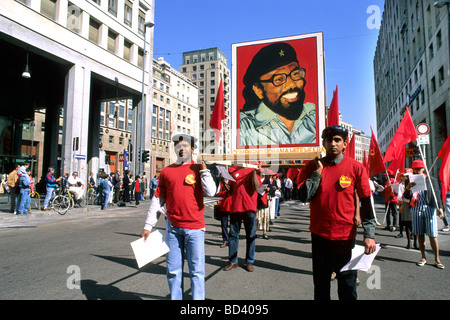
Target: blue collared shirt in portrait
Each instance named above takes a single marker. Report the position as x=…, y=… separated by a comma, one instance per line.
x=262, y=126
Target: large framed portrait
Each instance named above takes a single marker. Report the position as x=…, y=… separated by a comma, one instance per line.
x=278, y=95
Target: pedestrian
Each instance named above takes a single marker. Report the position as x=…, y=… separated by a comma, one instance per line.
x=50, y=185
x=91, y=181
x=117, y=183
x=100, y=177
x=423, y=212
x=145, y=186
x=126, y=186
x=288, y=188
x=405, y=210
x=329, y=184
x=137, y=189
x=224, y=209
x=106, y=187
x=12, y=182
x=24, y=184
x=447, y=211
x=243, y=210
x=390, y=200
x=181, y=188
x=153, y=185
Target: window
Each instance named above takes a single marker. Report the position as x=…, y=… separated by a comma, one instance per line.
x=128, y=13
x=73, y=17
x=48, y=8
x=441, y=76
x=141, y=21
x=94, y=27
x=112, y=7
x=112, y=36
x=439, y=39
x=111, y=139
x=433, y=84
x=431, y=51
x=126, y=50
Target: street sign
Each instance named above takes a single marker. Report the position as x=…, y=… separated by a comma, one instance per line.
x=424, y=139
x=121, y=157
x=80, y=156
x=423, y=128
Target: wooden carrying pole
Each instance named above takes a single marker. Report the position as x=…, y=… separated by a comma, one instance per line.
x=247, y=157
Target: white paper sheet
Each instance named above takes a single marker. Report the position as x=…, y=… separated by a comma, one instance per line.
x=224, y=173
x=262, y=189
x=359, y=260
x=419, y=179
x=147, y=251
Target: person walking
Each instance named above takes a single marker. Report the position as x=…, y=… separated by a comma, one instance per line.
x=106, y=187
x=390, y=200
x=243, y=210
x=423, y=213
x=12, y=182
x=329, y=184
x=137, y=189
x=24, y=184
x=126, y=186
x=181, y=188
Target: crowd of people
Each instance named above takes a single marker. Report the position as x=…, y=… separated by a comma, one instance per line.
x=108, y=189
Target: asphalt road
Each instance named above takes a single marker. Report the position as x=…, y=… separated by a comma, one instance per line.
x=86, y=255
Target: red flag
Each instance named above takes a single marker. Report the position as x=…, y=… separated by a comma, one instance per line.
x=444, y=172
x=333, y=110
x=398, y=163
x=218, y=112
x=365, y=163
x=350, y=151
x=292, y=172
x=375, y=159
x=406, y=133
x=445, y=149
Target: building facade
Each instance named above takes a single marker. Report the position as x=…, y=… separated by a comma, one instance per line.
x=206, y=68
x=411, y=67
x=79, y=53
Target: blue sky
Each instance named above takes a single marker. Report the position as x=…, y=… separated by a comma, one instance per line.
x=349, y=43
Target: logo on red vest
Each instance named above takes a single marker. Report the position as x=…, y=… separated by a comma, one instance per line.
x=345, y=182
x=190, y=179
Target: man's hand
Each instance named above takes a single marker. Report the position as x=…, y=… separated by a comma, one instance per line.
x=319, y=165
x=441, y=213
x=145, y=233
x=369, y=245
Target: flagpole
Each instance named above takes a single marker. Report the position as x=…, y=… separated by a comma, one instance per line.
x=428, y=173
x=433, y=163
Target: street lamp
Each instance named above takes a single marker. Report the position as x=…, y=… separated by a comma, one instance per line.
x=148, y=24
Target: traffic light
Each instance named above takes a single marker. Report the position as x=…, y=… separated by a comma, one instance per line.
x=145, y=155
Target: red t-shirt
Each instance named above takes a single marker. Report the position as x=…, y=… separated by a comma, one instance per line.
x=181, y=186
x=244, y=197
x=389, y=193
x=333, y=206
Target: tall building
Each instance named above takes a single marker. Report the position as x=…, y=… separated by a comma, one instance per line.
x=66, y=57
x=175, y=110
x=411, y=67
x=206, y=68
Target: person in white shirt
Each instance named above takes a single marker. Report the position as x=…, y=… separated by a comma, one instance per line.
x=76, y=186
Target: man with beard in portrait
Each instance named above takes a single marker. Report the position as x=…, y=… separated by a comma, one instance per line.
x=274, y=112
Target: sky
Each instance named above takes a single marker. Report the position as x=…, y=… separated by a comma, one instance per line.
x=349, y=30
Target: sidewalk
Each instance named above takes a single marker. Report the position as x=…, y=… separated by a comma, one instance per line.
x=6, y=216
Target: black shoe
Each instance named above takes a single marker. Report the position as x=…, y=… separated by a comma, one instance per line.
x=399, y=236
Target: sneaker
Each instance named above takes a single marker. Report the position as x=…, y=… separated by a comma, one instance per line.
x=446, y=229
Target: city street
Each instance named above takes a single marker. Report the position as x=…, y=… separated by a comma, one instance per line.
x=86, y=254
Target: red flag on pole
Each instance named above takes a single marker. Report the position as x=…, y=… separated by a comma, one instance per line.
x=406, y=133
x=218, y=112
x=365, y=163
x=445, y=149
x=375, y=159
x=333, y=110
x=444, y=172
x=292, y=172
x=398, y=164
x=350, y=151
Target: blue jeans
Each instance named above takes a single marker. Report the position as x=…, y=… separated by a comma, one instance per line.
x=189, y=243
x=249, y=219
x=447, y=209
x=48, y=196
x=105, y=199
x=25, y=201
